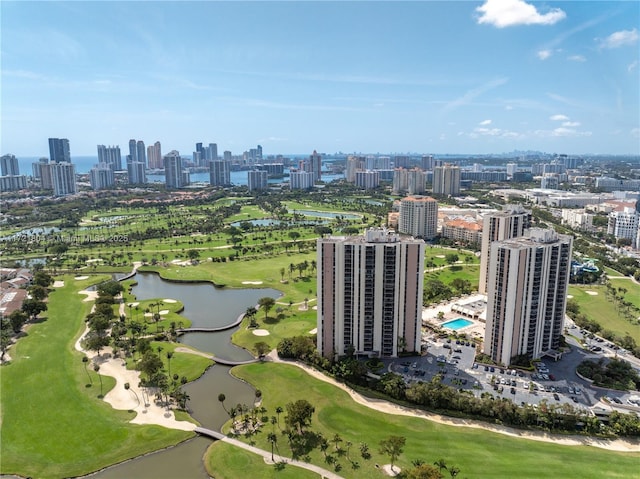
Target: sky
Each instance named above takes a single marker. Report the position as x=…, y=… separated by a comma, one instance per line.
x=371, y=77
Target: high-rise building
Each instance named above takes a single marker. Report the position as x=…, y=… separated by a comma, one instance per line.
x=427, y=162
x=59, y=151
x=367, y=179
x=63, y=178
x=154, y=156
x=212, y=152
x=9, y=165
x=527, y=294
x=625, y=224
x=133, y=150
x=141, y=153
x=418, y=217
x=136, y=172
x=101, y=176
x=219, y=173
x=511, y=222
x=301, y=180
x=446, y=180
x=227, y=156
x=354, y=163
x=412, y=182
x=111, y=156
x=173, y=170
x=315, y=160
x=257, y=180
x=369, y=294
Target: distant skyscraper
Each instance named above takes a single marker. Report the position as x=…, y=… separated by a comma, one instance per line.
x=354, y=163
x=418, y=217
x=257, y=180
x=173, y=170
x=509, y=223
x=527, y=294
x=219, y=173
x=133, y=151
x=301, y=180
x=111, y=156
x=9, y=165
x=59, y=151
x=316, y=165
x=367, y=179
x=141, y=153
x=63, y=177
x=226, y=155
x=427, y=162
x=154, y=156
x=212, y=152
x=446, y=180
x=412, y=182
x=101, y=176
x=369, y=294
x=136, y=171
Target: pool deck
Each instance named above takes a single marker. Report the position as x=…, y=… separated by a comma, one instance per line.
x=430, y=315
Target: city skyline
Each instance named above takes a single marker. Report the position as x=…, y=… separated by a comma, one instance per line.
x=424, y=77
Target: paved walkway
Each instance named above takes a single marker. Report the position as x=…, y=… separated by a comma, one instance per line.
x=267, y=454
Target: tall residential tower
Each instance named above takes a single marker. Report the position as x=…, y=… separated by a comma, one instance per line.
x=369, y=294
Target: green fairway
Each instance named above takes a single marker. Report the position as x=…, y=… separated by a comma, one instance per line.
x=224, y=461
x=478, y=453
x=598, y=308
x=52, y=425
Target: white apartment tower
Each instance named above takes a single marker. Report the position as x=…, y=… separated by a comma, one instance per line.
x=418, y=217
x=527, y=294
x=511, y=222
x=63, y=178
x=446, y=180
x=220, y=173
x=369, y=294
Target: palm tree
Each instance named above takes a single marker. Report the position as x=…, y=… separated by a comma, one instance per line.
x=454, y=471
x=279, y=411
x=440, y=464
x=169, y=356
x=258, y=395
x=282, y=272
x=85, y=360
x=273, y=439
x=128, y=388
x=221, y=398
x=96, y=368
x=336, y=440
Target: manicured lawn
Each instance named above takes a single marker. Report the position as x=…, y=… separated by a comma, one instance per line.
x=633, y=290
x=599, y=308
x=476, y=452
x=52, y=425
x=468, y=272
x=224, y=461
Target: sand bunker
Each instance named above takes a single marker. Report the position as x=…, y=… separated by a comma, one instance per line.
x=166, y=300
x=261, y=332
x=391, y=472
x=58, y=284
x=252, y=282
x=80, y=278
x=313, y=331
x=569, y=296
x=592, y=293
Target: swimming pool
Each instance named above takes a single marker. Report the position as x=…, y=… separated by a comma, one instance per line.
x=456, y=324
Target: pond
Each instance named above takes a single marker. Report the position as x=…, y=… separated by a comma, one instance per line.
x=199, y=299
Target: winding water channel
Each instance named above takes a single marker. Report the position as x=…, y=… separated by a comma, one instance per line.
x=206, y=306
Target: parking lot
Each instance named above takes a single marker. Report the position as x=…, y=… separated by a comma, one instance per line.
x=455, y=363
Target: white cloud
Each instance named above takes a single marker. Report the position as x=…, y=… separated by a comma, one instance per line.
x=507, y=13
x=543, y=54
x=619, y=39
x=470, y=95
x=571, y=124
x=559, y=118
x=632, y=66
x=508, y=107
x=495, y=132
x=485, y=122
x=569, y=132
x=577, y=58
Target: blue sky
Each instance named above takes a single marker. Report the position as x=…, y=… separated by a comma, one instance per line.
x=428, y=77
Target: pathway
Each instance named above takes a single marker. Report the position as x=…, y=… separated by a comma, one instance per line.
x=388, y=407
x=267, y=454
